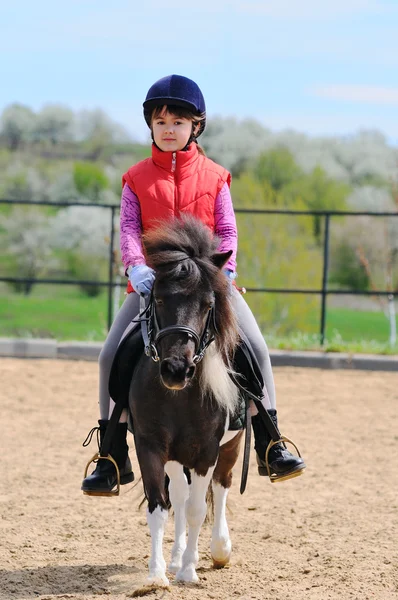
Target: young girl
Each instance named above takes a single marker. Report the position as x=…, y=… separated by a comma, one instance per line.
x=177, y=178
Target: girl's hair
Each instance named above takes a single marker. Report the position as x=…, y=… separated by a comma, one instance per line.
x=182, y=113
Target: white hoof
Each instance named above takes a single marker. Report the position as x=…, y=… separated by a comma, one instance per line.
x=175, y=565
x=221, y=553
x=187, y=575
x=158, y=579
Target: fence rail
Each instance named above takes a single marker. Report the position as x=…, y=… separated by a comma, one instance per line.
x=323, y=292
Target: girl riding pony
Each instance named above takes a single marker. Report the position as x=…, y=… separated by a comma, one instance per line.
x=178, y=178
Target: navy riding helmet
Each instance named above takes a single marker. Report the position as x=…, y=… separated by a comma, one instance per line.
x=175, y=90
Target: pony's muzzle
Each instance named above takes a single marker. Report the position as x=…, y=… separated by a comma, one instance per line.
x=176, y=372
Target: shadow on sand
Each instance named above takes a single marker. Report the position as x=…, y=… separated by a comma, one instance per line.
x=64, y=580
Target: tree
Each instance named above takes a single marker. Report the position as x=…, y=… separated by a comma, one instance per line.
x=89, y=180
x=229, y=141
x=277, y=167
x=82, y=236
x=319, y=193
x=26, y=239
x=54, y=124
x=17, y=124
x=97, y=130
x=23, y=183
x=373, y=241
x=276, y=251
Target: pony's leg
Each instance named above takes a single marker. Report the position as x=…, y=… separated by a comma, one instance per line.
x=152, y=469
x=196, y=509
x=220, y=546
x=157, y=565
x=179, y=493
x=220, y=541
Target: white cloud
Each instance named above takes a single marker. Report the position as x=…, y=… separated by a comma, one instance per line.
x=365, y=94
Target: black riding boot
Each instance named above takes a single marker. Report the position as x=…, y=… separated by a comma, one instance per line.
x=282, y=463
x=103, y=479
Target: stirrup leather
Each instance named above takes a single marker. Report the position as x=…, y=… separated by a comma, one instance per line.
x=112, y=493
x=274, y=477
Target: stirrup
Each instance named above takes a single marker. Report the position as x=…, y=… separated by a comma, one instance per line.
x=275, y=478
x=112, y=493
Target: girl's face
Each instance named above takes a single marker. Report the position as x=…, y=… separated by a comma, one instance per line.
x=171, y=133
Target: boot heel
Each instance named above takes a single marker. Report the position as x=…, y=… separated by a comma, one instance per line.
x=262, y=471
x=128, y=478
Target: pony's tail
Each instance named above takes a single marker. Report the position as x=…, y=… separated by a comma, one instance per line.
x=210, y=504
x=166, y=491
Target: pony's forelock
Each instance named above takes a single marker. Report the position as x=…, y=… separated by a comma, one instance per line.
x=181, y=251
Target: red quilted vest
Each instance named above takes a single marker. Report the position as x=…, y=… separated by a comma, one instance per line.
x=171, y=183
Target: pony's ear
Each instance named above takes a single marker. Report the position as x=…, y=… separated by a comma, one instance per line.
x=220, y=258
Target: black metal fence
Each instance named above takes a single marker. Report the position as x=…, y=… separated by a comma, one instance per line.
x=323, y=292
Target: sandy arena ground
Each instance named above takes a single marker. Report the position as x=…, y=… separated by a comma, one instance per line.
x=329, y=534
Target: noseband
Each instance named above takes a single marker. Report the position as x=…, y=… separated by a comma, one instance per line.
x=152, y=334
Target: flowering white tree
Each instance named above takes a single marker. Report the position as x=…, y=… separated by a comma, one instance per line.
x=27, y=241
x=84, y=232
x=17, y=124
x=54, y=123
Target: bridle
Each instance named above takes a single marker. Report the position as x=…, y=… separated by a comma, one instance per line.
x=152, y=334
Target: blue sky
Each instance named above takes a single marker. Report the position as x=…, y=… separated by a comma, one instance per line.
x=288, y=63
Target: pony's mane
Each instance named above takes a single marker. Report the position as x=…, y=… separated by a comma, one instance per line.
x=181, y=251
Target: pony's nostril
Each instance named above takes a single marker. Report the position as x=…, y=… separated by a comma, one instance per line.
x=176, y=370
x=172, y=367
x=190, y=372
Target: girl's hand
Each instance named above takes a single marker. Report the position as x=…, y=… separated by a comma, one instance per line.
x=141, y=278
x=231, y=276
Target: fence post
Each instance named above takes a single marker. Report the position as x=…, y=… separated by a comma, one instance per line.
x=110, y=276
x=325, y=277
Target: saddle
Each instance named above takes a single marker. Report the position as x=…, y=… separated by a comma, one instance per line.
x=245, y=365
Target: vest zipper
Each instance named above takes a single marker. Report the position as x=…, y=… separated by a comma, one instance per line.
x=173, y=168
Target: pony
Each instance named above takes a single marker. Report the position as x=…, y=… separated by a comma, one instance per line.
x=182, y=398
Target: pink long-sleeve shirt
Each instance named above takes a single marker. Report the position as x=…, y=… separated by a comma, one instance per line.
x=131, y=227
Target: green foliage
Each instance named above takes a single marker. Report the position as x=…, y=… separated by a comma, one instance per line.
x=269, y=171
x=283, y=251
x=277, y=167
x=89, y=180
x=248, y=192
x=276, y=252
x=346, y=270
x=319, y=193
x=80, y=267
x=334, y=343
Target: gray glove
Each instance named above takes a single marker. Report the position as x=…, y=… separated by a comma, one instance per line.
x=141, y=278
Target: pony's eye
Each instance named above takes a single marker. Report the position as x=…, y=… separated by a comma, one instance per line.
x=158, y=301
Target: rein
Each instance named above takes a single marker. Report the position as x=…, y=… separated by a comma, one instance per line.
x=152, y=334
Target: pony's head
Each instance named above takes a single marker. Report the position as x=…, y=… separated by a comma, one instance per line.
x=191, y=297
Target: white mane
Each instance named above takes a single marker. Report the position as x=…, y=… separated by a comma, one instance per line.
x=214, y=378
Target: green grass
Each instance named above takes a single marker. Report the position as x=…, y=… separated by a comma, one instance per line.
x=64, y=313
x=334, y=343
x=354, y=324
x=59, y=312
